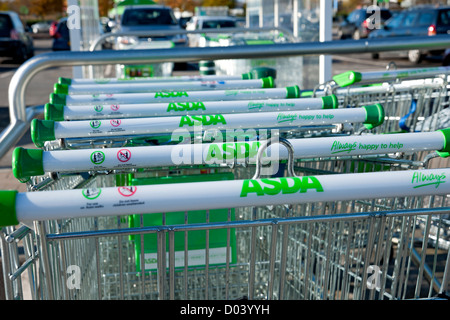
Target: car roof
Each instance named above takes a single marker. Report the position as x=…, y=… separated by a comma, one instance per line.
x=427, y=7
x=215, y=17
x=144, y=6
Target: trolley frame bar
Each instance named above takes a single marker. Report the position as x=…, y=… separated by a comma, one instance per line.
x=19, y=82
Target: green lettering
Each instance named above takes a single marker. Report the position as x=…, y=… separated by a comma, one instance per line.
x=220, y=118
x=172, y=107
x=229, y=150
x=255, y=187
x=199, y=105
x=286, y=189
x=310, y=183
x=185, y=120
x=214, y=152
x=276, y=187
x=242, y=154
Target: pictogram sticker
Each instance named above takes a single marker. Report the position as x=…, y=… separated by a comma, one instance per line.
x=115, y=107
x=91, y=193
x=123, y=155
x=115, y=122
x=97, y=157
x=95, y=124
x=127, y=191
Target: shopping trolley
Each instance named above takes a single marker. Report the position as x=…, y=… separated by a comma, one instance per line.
x=115, y=231
x=332, y=251
x=414, y=99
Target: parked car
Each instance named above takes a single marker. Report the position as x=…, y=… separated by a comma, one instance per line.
x=149, y=18
x=41, y=27
x=414, y=22
x=360, y=23
x=15, y=42
x=207, y=22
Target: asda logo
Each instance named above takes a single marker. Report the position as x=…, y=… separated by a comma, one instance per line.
x=276, y=186
x=186, y=106
x=231, y=150
x=206, y=120
x=174, y=94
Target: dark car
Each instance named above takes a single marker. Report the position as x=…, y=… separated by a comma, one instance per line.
x=361, y=22
x=61, y=37
x=414, y=22
x=15, y=42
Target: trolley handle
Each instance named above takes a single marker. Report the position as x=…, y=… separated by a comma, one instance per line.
x=352, y=77
x=265, y=145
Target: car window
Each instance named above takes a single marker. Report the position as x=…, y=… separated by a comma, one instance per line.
x=444, y=18
x=214, y=24
x=395, y=21
x=426, y=19
x=5, y=25
x=148, y=16
x=17, y=23
x=410, y=18
x=352, y=16
x=385, y=14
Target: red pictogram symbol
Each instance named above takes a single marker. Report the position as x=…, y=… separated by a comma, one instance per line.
x=115, y=107
x=123, y=155
x=127, y=191
x=116, y=122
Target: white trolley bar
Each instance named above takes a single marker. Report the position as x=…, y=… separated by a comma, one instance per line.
x=116, y=111
x=169, y=86
x=49, y=130
x=63, y=204
x=176, y=96
x=33, y=162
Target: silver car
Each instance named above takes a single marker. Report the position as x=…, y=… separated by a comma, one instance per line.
x=149, y=18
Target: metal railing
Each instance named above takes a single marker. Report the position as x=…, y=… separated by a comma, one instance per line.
x=157, y=33
x=20, y=115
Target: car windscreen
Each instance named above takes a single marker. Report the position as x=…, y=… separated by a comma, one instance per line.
x=146, y=16
x=214, y=24
x=444, y=18
x=5, y=25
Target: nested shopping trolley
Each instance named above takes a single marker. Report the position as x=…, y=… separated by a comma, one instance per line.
x=329, y=236
x=414, y=99
x=338, y=216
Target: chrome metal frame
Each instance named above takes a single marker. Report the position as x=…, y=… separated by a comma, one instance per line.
x=20, y=115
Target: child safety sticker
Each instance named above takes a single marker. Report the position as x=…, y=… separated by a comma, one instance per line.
x=127, y=191
x=123, y=155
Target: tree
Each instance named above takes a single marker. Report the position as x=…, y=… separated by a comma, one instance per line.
x=183, y=5
x=43, y=8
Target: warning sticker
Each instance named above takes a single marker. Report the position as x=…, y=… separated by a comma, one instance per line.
x=123, y=155
x=127, y=191
x=115, y=107
x=115, y=122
